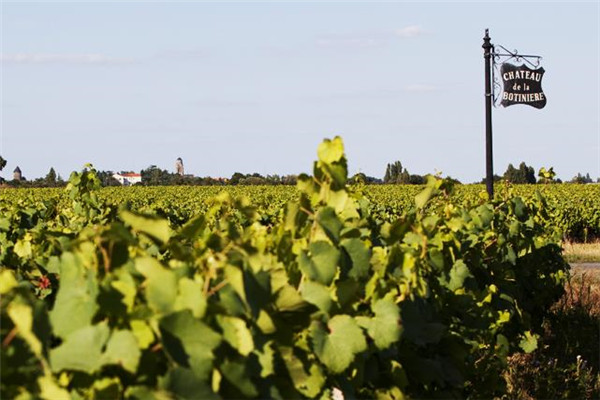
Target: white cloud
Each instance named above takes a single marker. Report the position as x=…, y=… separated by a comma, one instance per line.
x=417, y=87
x=410, y=31
x=49, y=58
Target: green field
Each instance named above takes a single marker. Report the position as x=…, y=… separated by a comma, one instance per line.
x=573, y=209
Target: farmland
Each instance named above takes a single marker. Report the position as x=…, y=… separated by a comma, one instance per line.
x=277, y=292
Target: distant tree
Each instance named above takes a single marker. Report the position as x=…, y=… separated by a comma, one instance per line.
x=289, y=180
x=253, y=180
x=395, y=173
x=236, y=177
x=416, y=180
x=2, y=165
x=50, y=179
x=495, y=179
x=581, y=179
x=524, y=174
x=154, y=176
x=107, y=178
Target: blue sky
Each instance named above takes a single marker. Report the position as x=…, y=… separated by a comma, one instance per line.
x=255, y=87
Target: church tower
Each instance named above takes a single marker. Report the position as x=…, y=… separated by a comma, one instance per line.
x=179, y=166
x=17, y=176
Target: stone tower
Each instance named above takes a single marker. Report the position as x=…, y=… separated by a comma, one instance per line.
x=17, y=176
x=179, y=166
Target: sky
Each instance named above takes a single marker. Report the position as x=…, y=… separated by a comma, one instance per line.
x=256, y=86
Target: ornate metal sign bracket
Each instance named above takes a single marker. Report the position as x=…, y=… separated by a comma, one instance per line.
x=500, y=58
x=522, y=85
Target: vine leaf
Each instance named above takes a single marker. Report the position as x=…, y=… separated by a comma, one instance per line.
x=321, y=265
x=122, y=349
x=75, y=304
x=338, y=347
x=189, y=342
x=151, y=225
x=161, y=290
x=81, y=350
x=385, y=327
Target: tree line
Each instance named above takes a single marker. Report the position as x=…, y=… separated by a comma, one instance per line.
x=395, y=173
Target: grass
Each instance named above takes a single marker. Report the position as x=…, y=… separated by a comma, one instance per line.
x=566, y=364
x=582, y=252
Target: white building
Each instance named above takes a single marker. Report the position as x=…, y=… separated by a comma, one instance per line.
x=128, y=179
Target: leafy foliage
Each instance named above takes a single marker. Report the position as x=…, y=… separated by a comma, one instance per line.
x=523, y=174
x=292, y=298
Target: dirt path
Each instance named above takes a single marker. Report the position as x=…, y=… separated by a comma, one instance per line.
x=593, y=268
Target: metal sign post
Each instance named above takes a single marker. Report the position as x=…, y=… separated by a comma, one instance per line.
x=521, y=85
x=489, y=162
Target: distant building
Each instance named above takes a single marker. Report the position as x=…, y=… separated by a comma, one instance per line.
x=179, y=167
x=128, y=179
x=17, y=176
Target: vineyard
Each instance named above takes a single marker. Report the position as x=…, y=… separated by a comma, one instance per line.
x=573, y=210
x=383, y=291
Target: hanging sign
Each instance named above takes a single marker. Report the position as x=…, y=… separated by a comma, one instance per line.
x=522, y=85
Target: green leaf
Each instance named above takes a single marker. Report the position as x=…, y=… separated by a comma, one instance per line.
x=308, y=379
x=321, y=265
x=485, y=214
x=161, y=288
x=75, y=303
x=146, y=393
x=330, y=223
x=81, y=350
x=142, y=332
x=7, y=281
x=50, y=390
x=236, y=333
x=266, y=359
x=189, y=342
x=191, y=297
x=317, y=294
x=330, y=151
x=107, y=388
x=385, y=327
x=360, y=255
x=337, y=346
x=185, y=385
x=22, y=317
x=424, y=196
x=122, y=349
x=338, y=173
x=458, y=274
x=23, y=248
x=528, y=342
x=151, y=225
x=126, y=286
x=236, y=373
x=288, y=299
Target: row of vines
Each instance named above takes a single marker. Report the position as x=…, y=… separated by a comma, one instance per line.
x=329, y=288
x=572, y=209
